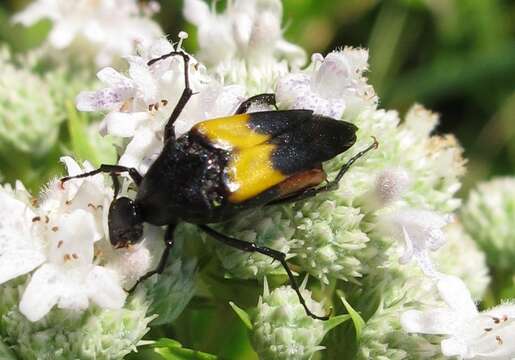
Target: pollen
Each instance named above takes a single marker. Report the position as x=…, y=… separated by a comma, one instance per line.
x=499, y=340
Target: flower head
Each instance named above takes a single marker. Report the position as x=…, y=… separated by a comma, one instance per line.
x=469, y=334
x=281, y=328
x=248, y=29
x=421, y=231
x=140, y=104
x=331, y=85
x=29, y=116
x=110, y=28
x=488, y=216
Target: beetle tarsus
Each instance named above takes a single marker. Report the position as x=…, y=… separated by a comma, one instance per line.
x=169, y=242
x=267, y=99
x=276, y=255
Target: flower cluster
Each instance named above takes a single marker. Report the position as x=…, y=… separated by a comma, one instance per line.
x=104, y=30
x=386, y=238
x=488, y=215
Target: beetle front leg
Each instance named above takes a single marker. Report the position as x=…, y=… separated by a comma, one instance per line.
x=169, y=242
x=267, y=99
x=185, y=96
x=274, y=254
x=110, y=169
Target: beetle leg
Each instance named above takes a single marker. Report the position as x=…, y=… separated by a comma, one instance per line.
x=186, y=93
x=274, y=254
x=267, y=99
x=169, y=242
x=331, y=185
x=111, y=169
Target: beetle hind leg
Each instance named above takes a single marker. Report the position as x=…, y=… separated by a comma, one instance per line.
x=274, y=254
x=331, y=185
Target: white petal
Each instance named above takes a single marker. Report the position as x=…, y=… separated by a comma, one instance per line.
x=124, y=124
x=72, y=293
x=288, y=88
x=20, y=252
x=104, y=99
x=408, y=248
x=454, y=347
x=72, y=167
x=242, y=28
x=41, y=294
x=502, y=311
x=104, y=288
x=455, y=293
x=62, y=34
x=71, y=244
x=113, y=78
x=143, y=145
x=295, y=55
x=145, y=82
x=438, y=321
x=333, y=76
x=196, y=11
x=498, y=343
x=33, y=13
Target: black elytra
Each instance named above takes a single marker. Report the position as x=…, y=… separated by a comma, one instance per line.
x=224, y=166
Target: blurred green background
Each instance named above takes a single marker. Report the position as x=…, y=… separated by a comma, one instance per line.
x=456, y=57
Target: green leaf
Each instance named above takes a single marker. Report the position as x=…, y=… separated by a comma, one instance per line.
x=242, y=314
x=358, y=321
x=5, y=353
x=86, y=145
x=335, y=321
x=171, y=349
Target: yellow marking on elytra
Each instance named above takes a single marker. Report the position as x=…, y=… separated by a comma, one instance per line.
x=231, y=132
x=251, y=172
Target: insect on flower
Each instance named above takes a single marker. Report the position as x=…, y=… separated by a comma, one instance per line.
x=224, y=166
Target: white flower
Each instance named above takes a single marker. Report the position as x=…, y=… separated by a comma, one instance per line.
x=59, y=235
x=421, y=231
x=111, y=27
x=332, y=86
x=248, y=29
x=469, y=334
x=69, y=278
x=19, y=251
x=141, y=103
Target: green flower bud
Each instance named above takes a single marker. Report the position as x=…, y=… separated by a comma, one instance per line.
x=64, y=334
x=29, y=117
x=383, y=337
x=269, y=227
x=488, y=217
x=281, y=328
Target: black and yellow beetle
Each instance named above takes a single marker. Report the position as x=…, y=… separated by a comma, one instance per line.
x=224, y=166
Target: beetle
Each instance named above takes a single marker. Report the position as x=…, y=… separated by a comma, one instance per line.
x=224, y=166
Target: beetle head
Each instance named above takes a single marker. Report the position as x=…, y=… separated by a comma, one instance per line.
x=125, y=223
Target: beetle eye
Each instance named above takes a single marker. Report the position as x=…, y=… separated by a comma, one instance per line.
x=125, y=224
